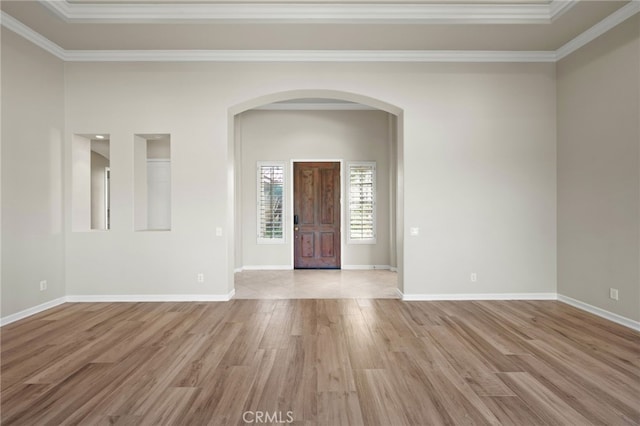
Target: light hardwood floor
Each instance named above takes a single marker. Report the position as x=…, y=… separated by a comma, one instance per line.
x=327, y=362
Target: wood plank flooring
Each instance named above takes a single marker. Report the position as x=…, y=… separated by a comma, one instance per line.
x=319, y=362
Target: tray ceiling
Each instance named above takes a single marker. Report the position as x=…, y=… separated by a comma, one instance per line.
x=310, y=26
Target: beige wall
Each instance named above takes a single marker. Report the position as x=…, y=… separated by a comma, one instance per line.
x=479, y=170
x=478, y=143
x=32, y=132
x=477, y=156
x=314, y=135
x=598, y=171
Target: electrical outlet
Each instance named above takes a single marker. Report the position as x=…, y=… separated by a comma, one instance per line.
x=414, y=232
x=613, y=293
x=473, y=277
x=218, y=232
x=200, y=278
x=43, y=285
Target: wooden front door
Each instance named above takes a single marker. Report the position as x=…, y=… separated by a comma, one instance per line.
x=316, y=202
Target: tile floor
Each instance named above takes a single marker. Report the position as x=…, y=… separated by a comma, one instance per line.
x=316, y=284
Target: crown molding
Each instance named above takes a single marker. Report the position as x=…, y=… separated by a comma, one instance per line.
x=271, y=55
x=306, y=56
x=598, y=29
x=557, y=8
x=320, y=55
x=11, y=23
x=385, y=13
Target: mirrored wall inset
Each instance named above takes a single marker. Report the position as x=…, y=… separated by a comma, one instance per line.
x=152, y=182
x=91, y=174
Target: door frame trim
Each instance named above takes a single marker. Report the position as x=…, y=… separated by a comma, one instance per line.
x=292, y=203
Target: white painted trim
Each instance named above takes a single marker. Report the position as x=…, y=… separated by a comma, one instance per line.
x=347, y=185
x=315, y=106
x=114, y=298
x=271, y=55
x=235, y=271
x=261, y=240
x=11, y=23
x=292, y=13
x=308, y=56
x=480, y=296
x=365, y=267
x=393, y=269
x=598, y=29
x=557, y=6
x=32, y=311
x=267, y=268
x=618, y=319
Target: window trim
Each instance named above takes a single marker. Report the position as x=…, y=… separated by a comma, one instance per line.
x=259, y=166
x=373, y=165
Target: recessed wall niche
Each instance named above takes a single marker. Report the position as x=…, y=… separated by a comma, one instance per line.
x=91, y=182
x=152, y=182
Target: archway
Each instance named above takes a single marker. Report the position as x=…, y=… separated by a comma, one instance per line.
x=234, y=248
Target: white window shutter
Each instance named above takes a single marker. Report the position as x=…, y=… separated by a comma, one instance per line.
x=362, y=202
x=270, y=203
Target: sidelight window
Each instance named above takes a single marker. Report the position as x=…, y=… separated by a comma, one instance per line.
x=362, y=202
x=270, y=205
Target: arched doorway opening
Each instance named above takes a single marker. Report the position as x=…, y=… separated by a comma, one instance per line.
x=241, y=215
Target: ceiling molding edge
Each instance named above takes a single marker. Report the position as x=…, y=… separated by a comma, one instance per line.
x=11, y=23
x=557, y=8
x=307, y=56
x=598, y=29
x=315, y=106
x=309, y=12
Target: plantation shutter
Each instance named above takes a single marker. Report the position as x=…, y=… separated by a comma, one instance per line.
x=362, y=193
x=270, y=202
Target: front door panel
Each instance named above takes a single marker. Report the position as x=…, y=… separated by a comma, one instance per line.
x=317, y=209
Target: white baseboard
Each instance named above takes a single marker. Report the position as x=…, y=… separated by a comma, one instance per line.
x=117, y=298
x=365, y=267
x=393, y=269
x=480, y=296
x=151, y=298
x=635, y=325
x=32, y=311
x=618, y=319
x=267, y=268
x=235, y=271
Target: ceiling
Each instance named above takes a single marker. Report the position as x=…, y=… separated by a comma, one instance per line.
x=357, y=25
